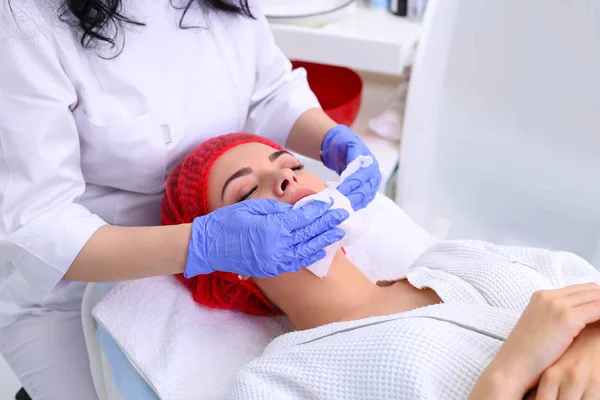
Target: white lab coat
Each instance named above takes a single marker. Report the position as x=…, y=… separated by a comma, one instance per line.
x=86, y=141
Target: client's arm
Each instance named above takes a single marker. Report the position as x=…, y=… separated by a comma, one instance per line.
x=552, y=321
x=576, y=373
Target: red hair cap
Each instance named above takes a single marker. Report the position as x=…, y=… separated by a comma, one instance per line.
x=186, y=197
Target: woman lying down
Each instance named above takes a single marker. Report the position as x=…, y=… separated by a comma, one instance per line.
x=468, y=319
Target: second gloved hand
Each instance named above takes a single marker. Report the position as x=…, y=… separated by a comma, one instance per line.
x=262, y=238
x=340, y=147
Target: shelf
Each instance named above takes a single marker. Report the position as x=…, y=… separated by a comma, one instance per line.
x=378, y=90
x=364, y=39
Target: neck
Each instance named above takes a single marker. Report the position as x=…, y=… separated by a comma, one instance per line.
x=344, y=294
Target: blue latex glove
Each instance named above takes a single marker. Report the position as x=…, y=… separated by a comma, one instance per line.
x=340, y=147
x=262, y=238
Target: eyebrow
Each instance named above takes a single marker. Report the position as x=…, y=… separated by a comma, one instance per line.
x=247, y=170
x=241, y=172
x=277, y=154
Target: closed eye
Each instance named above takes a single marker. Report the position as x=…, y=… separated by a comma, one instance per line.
x=298, y=167
x=247, y=195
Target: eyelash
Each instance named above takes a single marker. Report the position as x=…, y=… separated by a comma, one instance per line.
x=298, y=167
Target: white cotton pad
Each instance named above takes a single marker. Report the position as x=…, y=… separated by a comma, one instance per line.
x=354, y=226
x=358, y=163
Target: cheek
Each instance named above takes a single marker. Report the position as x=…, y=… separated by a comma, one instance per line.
x=311, y=181
x=264, y=192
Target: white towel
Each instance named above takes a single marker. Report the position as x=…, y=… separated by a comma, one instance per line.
x=185, y=351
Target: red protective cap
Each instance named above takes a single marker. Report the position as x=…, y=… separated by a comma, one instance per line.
x=186, y=197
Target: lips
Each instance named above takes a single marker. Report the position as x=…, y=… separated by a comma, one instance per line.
x=300, y=194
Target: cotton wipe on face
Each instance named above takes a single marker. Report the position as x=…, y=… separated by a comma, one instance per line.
x=354, y=226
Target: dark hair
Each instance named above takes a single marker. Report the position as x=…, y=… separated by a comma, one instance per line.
x=101, y=20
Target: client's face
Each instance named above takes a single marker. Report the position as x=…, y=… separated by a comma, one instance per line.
x=255, y=170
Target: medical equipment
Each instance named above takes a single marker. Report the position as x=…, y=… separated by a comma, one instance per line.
x=354, y=227
x=501, y=132
x=178, y=333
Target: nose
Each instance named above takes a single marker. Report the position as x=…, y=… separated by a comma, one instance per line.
x=285, y=181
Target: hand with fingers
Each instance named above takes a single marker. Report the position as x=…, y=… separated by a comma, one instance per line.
x=550, y=325
x=262, y=238
x=576, y=374
x=340, y=147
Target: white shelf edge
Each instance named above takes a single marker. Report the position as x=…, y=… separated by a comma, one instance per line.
x=346, y=43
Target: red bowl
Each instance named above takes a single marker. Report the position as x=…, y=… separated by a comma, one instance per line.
x=338, y=89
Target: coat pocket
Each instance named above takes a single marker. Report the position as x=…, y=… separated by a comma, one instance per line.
x=126, y=154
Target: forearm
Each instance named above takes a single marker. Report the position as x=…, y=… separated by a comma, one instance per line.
x=495, y=384
x=117, y=253
x=308, y=132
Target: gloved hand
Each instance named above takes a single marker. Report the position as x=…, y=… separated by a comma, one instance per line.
x=340, y=147
x=262, y=238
